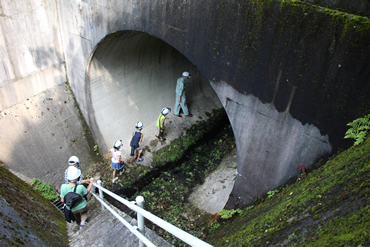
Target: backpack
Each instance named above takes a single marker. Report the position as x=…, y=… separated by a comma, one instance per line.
x=72, y=199
x=68, y=215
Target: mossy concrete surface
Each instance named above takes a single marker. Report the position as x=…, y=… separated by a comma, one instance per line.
x=327, y=207
x=359, y=7
x=28, y=219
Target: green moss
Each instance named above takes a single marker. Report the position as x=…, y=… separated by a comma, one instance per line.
x=347, y=21
x=280, y=218
x=317, y=216
x=38, y=213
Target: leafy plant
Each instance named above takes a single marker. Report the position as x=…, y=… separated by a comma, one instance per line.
x=214, y=225
x=96, y=149
x=359, y=128
x=227, y=214
x=272, y=193
x=46, y=189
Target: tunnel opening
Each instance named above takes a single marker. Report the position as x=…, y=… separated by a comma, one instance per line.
x=132, y=76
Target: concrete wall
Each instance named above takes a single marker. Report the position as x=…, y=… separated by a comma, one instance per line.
x=358, y=7
x=283, y=71
x=39, y=135
x=290, y=75
x=31, y=52
x=41, y=126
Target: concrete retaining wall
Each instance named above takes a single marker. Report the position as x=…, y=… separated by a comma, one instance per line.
x=41, y=134
x=289, y=68
x=290, y=75
x=31, y=52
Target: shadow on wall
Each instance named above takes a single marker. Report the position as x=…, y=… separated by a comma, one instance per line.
x=132, y=77
x=39, y=135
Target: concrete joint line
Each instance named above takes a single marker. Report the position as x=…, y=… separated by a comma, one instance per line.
x=177, y=29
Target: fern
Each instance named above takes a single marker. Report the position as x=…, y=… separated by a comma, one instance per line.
x=359, y=129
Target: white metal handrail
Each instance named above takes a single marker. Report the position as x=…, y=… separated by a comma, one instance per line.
x=177, y=232
x=132, y=229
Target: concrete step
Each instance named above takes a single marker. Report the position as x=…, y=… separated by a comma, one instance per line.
x=103, y=229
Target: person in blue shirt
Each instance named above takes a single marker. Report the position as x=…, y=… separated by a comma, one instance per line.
x=136, y=138
x=180, y=96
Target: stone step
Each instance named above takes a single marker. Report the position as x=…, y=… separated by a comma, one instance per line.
x=104, y=229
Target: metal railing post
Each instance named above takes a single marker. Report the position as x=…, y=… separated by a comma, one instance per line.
x=100, y=194
x=138, y=230
x=140, y=218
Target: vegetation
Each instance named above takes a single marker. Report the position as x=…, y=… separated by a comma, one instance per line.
x=37, y=213
x=176, y=169
x=227, y=214
x=46, y=189
x=327, y=207
x=359, y=129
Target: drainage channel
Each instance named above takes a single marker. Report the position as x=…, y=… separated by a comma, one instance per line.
x=139, y=185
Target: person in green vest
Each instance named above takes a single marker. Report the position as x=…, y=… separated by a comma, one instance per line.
x=180, y=96
x=160, y=123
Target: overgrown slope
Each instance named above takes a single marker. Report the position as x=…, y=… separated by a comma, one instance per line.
x=327, y=207
x=37, y=213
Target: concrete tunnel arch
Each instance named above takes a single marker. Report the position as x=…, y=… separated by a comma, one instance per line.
x=132, y=76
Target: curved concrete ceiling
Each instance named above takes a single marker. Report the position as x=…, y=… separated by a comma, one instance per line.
x=132, y=77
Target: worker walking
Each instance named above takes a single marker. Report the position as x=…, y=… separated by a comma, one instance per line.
x=136, y=139
x=180, y=96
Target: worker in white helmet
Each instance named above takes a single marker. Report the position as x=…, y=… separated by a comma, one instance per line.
x=180, y=96
x=79, y=208
x=160, y=123
x=74, y=161
x=136, y=139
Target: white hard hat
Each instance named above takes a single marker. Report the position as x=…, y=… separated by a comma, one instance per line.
x=139, y=125
x=74, y=160
x=186, y=74
x=117, y=144
x=165, y=111
x=73, y=174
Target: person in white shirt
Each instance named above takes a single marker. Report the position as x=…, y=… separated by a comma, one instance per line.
x=117, y=162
